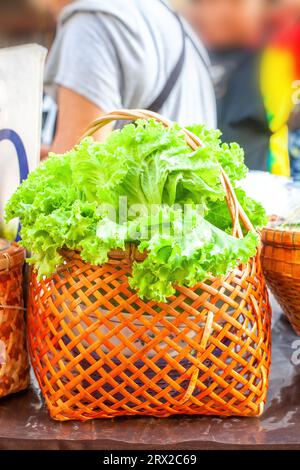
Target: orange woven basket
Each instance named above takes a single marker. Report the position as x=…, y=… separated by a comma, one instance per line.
x=281, y=265
x=14, y=371
x=100, y=351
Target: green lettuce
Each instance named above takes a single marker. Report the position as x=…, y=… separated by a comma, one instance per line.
x=137, y=187
x=186, y=256
x=231, y=158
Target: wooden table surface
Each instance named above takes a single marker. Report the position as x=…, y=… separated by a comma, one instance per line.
x=24, y=421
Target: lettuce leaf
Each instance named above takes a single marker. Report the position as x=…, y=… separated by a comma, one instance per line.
x=186, y=259
x=230, y=156
x=100, y=196
x=219, y=215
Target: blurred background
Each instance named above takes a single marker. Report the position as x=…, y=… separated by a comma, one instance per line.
x=21, y=23
x=254, y=49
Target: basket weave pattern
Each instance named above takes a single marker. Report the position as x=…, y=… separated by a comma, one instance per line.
x=281, y=265
x=14, y=374
x=100, y=351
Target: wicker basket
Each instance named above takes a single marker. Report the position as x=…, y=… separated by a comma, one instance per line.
x=100, y=351
x=281, y=265
x=14, y=375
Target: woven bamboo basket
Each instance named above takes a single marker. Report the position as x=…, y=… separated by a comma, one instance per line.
x=14, y=373
x=281, y=265
x=100, y=351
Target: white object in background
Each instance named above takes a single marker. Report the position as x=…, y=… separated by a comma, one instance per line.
x=21, y=91
x=278, y=194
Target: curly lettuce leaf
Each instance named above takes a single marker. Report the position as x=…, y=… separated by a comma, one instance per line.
x=74, y=201
x=161, y=168
x=188, y=259
x=218, y=213
x=230, y=156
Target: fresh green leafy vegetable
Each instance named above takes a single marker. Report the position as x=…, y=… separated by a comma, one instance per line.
x=146, y=186
x=186, y=256
x=231, y=158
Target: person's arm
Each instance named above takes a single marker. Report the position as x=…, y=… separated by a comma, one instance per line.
x=84, y=67
x=75, y=113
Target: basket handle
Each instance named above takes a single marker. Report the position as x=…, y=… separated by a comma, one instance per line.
x=236, y=211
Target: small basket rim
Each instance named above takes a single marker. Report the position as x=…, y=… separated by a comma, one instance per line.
x=281, y=237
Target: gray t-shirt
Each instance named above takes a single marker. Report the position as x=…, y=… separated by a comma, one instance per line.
x=119, y=54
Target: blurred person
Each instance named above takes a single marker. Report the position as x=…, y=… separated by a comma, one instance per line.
x=233, y=32
x=115, y=54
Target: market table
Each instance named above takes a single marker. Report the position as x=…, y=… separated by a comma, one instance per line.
x=24, y=421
